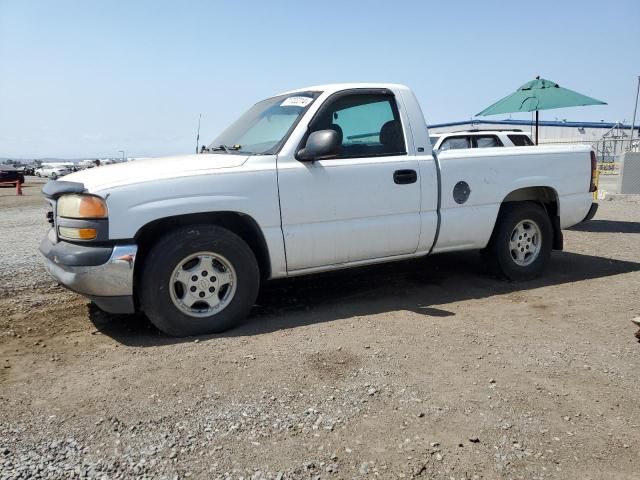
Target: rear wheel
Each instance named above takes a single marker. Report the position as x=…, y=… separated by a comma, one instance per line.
x=521, y=243
x=197, y=280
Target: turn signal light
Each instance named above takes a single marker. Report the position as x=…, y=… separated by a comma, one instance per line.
x=77, y=233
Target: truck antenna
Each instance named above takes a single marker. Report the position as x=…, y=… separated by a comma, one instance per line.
x=198, y=134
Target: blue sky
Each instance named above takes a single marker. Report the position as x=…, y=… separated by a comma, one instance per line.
x=89, y=78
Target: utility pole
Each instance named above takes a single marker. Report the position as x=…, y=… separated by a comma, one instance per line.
x=198, y=135
x=633, y=123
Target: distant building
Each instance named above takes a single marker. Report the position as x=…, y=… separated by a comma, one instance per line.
x=609, y=139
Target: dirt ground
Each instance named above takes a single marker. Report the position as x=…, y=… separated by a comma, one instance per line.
x=422, y=369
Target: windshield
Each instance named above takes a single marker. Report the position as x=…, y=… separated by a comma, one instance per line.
x=265, y=126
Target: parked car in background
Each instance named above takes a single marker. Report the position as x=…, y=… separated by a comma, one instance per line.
x=86, y=164
x=10, y=175
x=52, y=171
x=479, y=139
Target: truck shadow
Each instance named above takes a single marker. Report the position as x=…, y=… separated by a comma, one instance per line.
x=415, y=286
x=607, y=226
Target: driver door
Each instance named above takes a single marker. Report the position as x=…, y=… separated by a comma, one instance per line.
x=362, y=203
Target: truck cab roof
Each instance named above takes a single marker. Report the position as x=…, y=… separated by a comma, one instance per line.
x=336, y=87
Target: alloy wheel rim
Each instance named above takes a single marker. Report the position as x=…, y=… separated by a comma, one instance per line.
x=202, y=284
x=525, y=243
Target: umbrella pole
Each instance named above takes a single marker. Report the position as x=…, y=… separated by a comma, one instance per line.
x=537, y=127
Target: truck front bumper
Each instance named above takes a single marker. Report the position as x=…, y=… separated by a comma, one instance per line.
x=102, y=274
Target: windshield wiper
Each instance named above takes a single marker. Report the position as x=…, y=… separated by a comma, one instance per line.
x=226, y=148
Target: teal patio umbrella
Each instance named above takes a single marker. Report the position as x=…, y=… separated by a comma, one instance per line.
x=536, y=95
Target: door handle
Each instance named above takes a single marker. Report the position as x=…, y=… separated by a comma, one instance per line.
x=404, y=177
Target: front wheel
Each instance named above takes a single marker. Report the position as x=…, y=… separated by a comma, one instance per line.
x=198, y=279
x=521, y=242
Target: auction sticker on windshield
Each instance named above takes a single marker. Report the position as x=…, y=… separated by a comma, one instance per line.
x=296, y=102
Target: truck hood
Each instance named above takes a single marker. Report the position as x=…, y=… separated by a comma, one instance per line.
x=151, y=169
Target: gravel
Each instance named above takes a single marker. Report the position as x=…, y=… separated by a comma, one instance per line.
x=20, y=234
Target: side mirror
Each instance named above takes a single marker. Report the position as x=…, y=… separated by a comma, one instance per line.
x=319, y=144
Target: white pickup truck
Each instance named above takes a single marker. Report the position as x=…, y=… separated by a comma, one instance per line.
x=315, y=179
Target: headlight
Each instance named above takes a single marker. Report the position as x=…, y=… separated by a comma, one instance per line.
x=82, y=206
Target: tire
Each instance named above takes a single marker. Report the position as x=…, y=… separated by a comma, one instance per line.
x=177, y=269
x=521, y=242
x=54, y=176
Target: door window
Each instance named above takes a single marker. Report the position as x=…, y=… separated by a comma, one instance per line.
x=486, y=141
x=368, y=125
x=455, y=143
x=520, y=140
